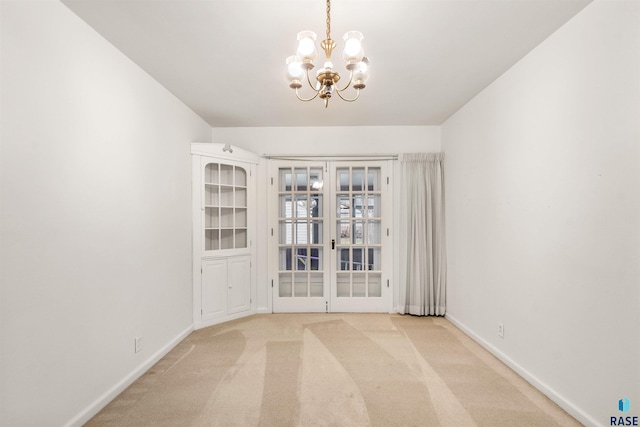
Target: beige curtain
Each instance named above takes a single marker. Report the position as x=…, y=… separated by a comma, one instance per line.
x=423, y=264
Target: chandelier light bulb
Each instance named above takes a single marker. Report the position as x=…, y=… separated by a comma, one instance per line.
x=353, y=52
x=361, y=74
x=307, y=51
x=295, y=73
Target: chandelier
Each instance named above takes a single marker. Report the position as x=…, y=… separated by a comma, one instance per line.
x=301, y=63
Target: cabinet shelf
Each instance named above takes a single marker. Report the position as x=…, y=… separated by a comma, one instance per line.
x=216, y=184
x=225, y=228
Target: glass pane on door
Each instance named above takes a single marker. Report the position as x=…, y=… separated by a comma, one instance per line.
x=359, y=231
x=300, y=236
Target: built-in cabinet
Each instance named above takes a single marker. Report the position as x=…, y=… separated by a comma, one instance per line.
x=223, y=226
x=225, y=286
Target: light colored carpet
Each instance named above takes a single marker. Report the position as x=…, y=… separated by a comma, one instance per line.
x=331, y=370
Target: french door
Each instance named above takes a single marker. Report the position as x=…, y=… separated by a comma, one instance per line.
x=330, y=234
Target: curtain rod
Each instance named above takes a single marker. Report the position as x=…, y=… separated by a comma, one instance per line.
x=311, y=157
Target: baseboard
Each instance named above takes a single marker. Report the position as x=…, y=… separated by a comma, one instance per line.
x=560, y=400
x=222, y=319
x=263, y=310
x=107, y=397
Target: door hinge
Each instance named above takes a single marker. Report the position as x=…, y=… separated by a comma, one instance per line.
x=326, y=304
x=271, y=180
x=387, y=180
x=387, y=283
x=272, y=283
x=387, y=232
x=272, y=232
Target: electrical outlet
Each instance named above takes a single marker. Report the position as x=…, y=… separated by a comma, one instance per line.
x=500, y=330
x=137, y=344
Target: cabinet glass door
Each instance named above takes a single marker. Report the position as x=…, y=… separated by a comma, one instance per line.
x=225, y=207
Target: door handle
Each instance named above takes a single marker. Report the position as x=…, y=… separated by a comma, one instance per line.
x=333, y=243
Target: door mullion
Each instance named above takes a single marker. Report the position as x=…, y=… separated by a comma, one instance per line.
x=329, y=232
x=310, y=225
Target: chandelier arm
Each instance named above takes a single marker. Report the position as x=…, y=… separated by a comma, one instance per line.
x=347, y=99
x=307, y=99
x=309, y=81
x=348, y=83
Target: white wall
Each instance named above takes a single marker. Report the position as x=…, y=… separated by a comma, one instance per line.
x=543, y=213
x=96, y=216
x=327, y=141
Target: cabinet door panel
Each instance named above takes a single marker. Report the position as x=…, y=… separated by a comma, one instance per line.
x=224, y=205
x=214, y=281
x=239, y=284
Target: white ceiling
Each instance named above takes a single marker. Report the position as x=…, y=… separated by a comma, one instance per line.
x=225, y=59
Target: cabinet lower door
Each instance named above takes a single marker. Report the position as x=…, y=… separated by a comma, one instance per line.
x=226, y=286
x=214, y=288
x=239, y=284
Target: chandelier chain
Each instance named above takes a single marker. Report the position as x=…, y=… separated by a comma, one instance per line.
x=328, y=19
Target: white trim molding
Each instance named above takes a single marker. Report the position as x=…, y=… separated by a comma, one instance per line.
x=556, y=397
x=224, y=151
x=97, y=405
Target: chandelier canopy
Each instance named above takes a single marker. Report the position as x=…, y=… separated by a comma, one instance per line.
x=301, y=63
